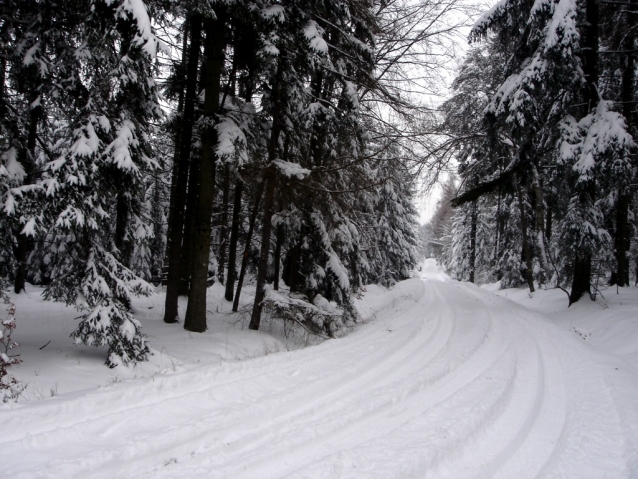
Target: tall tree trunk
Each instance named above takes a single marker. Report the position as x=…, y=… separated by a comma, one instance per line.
x=277, y=258
x=178, y=194
x=223, y=234
x=196, y=311
x=622, y=237
x=582, y=260
x=529, y=273
x=269, y=178
x=232, y=247
x=582, y=275
x=22, y=250
x=540, y=224
x=190, y=226
x=293, y=263
x=121, y=223
x=178, y=135
x=262, y=268
x=620, y=277
x=249, y=236
x=474, y=219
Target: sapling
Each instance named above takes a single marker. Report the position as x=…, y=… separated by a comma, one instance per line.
x=10, y=387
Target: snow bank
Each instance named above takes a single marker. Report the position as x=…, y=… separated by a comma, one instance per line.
x=609, y=323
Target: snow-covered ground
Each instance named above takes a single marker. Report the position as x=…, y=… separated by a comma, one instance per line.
x=444, y=380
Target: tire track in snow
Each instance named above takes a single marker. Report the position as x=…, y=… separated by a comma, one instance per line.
x=572, y=389
x=104, y=425
x=454, y=383
x=459, y=385
x=541, y=398
x=367, y=419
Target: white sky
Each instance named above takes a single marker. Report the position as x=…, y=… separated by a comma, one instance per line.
x=426, y=203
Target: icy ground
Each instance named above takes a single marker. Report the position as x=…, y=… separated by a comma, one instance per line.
x=446, y=380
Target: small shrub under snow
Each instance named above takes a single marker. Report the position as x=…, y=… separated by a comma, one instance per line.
x=10, y=387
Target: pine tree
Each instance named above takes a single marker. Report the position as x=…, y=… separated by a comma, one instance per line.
x=96, y=175
x=561, y=140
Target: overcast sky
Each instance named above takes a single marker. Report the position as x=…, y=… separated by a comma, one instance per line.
x=426, y=204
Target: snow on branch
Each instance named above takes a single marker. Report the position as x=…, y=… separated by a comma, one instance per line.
x=145, y=36
x=292, y=169
x=231, y=142
x=314, y=33
x=601, y=135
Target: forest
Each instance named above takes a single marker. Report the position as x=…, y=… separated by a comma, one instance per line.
x=542, y=120
x=183, y=143
x=284, y=144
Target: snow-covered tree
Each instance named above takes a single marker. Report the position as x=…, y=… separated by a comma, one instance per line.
x=554, y=143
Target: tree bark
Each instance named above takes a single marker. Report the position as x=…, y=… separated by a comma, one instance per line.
x=473, y=242
x=223, y=234
x=293, y=265
x=529, y=273
x=190, y=227
x=178, y=135
x=269, y=178
x=539, y=225
x=22, y=250
x=178, y=194
x=621, y=241
x=277, y=258
x=121, y=222
x=244, y=261
x=622, y=237
x=196, y=311
x=262, y=268
x=582, y=275
x=582, y=260
x=232, y=247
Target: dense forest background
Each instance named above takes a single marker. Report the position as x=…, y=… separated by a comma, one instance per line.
x=192, y=142
x=542, y=121
x=282, y=144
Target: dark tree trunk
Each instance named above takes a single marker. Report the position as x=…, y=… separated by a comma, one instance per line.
x=262, y=268
x=582, y=261
x=21, y=260
x=178, y=193
x=196, y=311
x=194, y=176
x=293, y=263
x=539, y=225
x=249, y=236
x=527, y=251
x=622, y=237
x=269, y=178
x=277, y=258
x=22, y=249
x=232, y=247
x=582, y=275
x=178, y=135
x=121, y=223
x=474, y=219
x=354, y=268
x=590, y=55
x=223, y=234
x=621, y=241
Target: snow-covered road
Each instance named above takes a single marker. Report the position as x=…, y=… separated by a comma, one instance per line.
x=447, y=381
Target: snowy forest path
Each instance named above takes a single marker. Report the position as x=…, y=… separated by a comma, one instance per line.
x=447, y=380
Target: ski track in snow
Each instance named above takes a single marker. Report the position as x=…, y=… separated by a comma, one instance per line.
x=448, y=381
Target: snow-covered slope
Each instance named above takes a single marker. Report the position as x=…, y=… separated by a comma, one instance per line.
x=447, y=380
